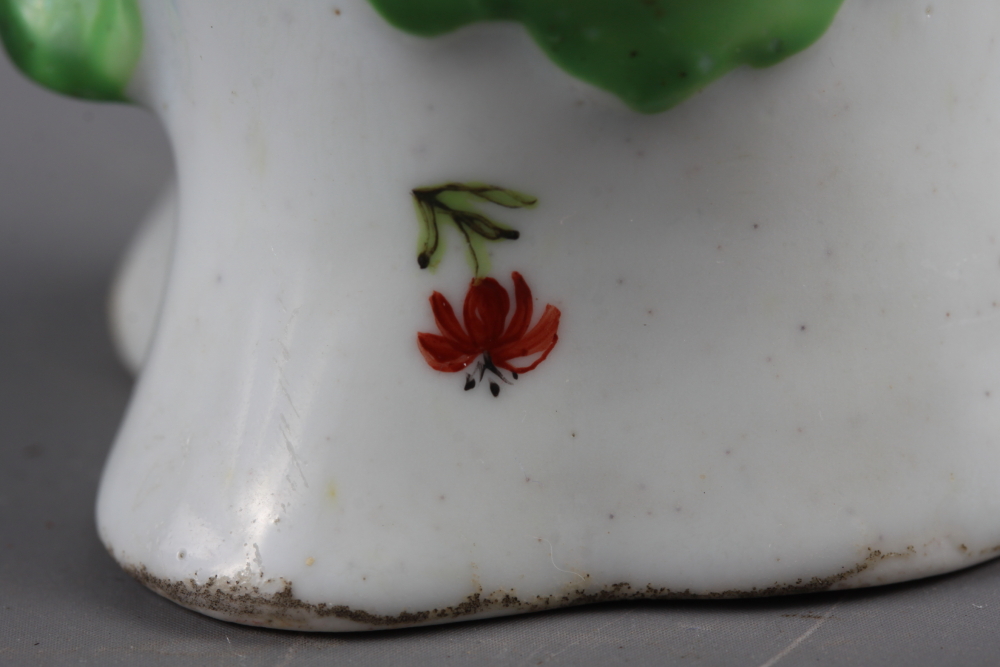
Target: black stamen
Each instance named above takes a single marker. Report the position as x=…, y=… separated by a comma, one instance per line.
x=514, y=373
x=490, y=366
x=470, y=382
x=494, y=388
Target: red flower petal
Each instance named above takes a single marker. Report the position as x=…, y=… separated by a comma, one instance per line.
x=486, y=306
x=485, y=313
x=448, y=324
x=442, y=354
x=522, y=311
x=541, y=339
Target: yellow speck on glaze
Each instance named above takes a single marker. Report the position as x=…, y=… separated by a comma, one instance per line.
x=310, y=561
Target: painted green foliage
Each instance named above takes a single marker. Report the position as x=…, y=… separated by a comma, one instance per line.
x=454, y=203
x=651, y=53
x=84, y=48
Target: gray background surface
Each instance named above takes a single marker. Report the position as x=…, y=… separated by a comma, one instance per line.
x=74, y=180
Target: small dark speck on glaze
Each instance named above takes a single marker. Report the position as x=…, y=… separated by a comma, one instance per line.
x=802, y=328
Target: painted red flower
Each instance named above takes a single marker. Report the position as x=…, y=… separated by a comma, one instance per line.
x=512, y=347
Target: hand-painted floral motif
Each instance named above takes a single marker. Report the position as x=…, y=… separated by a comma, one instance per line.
x=456, y=203
x=487, y=335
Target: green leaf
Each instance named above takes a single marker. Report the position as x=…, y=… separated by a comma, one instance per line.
x=84, y=48
x=429, y=245
x=505, y=198
x=452, y=203
x=652, y=54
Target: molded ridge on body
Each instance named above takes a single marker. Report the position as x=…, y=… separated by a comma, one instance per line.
x=652, y=54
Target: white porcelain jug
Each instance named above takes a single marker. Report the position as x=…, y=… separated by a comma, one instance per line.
x=746, y=346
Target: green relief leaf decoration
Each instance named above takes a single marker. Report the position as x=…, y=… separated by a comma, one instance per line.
x=650, y=53
x=84, y=48
x=454, y=204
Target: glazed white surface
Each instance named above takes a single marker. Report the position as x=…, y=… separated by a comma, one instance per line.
x=777, y=360
x=140, y=281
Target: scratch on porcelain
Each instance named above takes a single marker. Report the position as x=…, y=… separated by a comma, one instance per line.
x=257, y=559
x=285, y=428
x=288, y=396
x=552, y=558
